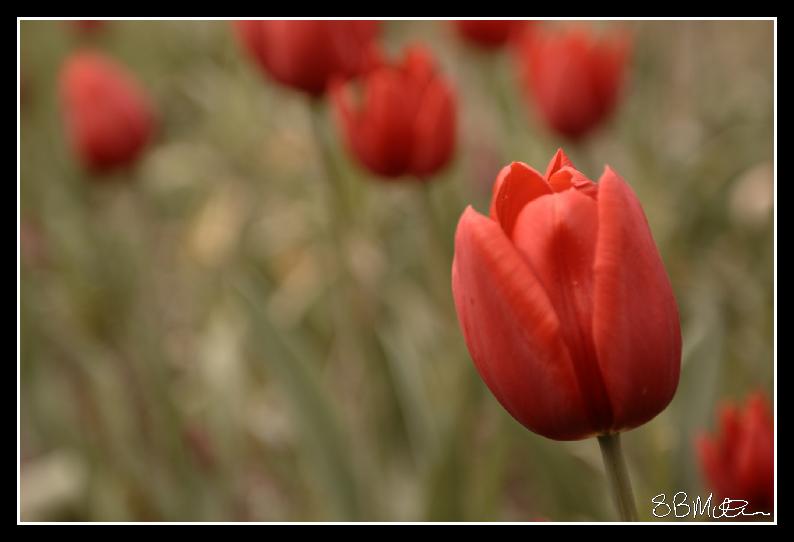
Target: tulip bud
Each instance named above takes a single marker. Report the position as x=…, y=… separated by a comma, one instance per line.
x=305, y=54
x=739, y=461
x=109, y=118
x=404, y=123
x=572, y=78
x=565, y=304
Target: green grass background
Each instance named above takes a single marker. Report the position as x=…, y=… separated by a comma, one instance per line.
x=225, y=336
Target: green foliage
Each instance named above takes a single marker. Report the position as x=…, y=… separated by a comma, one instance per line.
x=216, y=336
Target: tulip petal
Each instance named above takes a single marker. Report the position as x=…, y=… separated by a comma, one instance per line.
x=489, y=34
x=434, y=129
x=516, y=185
x=108, y=114
x=386, y=124
x=560, y=83
x=295, y=53
x=557, y=236
x=755, y=455
x=559, y=161
x=351, y=43
x=609, y=63
x=568, y=177
x=738, y=461
x=635, y=319
x=513, y=333
x=306, y=54
x=418, y=64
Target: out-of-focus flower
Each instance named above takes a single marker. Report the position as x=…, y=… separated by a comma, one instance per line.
x=490, y=34
x=305, y=54
x=572, y=77
x=738, y=462
x=405, y=120
x=89, y=26
x=109, y=117
x=565, y=304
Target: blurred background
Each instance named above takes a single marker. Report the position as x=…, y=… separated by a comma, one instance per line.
x=198, y=344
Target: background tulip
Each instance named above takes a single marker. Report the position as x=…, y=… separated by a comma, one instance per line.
x=109, y=117
x=306, y=54
x=405, y=122
x=573, y=78
x=738, y=462
x=565, y=304
x=489, y=34
x=88, y=26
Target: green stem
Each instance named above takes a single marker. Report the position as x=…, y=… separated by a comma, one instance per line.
x=618, y=476
x=439, y=232
x=335, y=183
x=439, y=246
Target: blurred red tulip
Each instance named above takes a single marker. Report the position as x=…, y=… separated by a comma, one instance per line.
x=87, y=26
x=565, y=304
x=489, y=34
x=109, y=118
x=573, y=78
x=739, y=462
x=306, y=54
x=405, y=122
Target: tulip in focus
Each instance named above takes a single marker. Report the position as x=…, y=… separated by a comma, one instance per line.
x=573, y=78
x=305, y=55
x=738, y=462
x=489, y=34
x=109, y=117
x=405, y=120
x=565, y=304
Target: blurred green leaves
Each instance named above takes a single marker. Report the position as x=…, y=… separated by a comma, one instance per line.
x=195, y=345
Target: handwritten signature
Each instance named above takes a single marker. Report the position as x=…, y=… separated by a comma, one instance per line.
x=681, y=507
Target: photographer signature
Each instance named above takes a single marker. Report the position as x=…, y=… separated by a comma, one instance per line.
x=680, y=507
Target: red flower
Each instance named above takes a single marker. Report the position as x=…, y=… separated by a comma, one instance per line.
x=573, y=79
x=739, y=462
x=405, y=121
x=564, y=302
x=89, y=26
x=109, y=118
x=489, y=34
x=306, y=54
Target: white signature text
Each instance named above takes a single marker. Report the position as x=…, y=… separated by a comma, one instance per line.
x=681, y=507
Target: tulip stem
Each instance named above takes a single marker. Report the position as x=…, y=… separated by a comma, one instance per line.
x=435, y=221
x=439, y=247
x=335, y=187
x=618, y=476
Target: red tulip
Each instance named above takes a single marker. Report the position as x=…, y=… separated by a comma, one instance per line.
x=739, y=462
x=404, y=123
x=573, y=78
x=109, y=118
x=565, y=304
x=489, y=34
x=89, y=26
x=306, y=54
